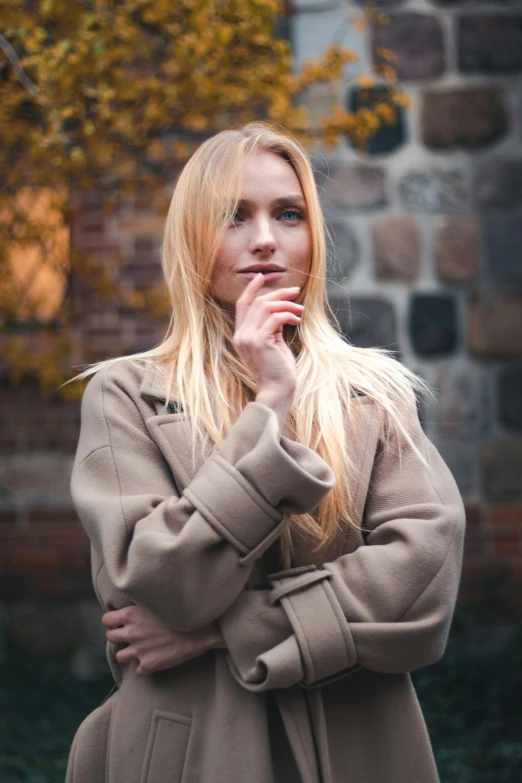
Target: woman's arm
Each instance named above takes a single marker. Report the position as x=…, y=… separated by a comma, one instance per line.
x=387, y=606
x=152, y=644
x=185, y=558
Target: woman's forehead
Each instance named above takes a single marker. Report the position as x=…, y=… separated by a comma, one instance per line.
x=266, y=174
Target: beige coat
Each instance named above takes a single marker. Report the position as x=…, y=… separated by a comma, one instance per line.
x=314, y=685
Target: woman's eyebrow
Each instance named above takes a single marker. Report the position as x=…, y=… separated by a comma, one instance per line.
x=282, y=201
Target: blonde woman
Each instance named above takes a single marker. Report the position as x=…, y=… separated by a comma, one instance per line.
x=275, y=542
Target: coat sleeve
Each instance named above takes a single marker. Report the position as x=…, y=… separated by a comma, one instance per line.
x=185, y=557
x=387, y=606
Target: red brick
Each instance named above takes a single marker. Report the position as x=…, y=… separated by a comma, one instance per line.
x=32, y=559
x=76, y=562
x=515, y=570
x=474, y=514
x=473, y=543
x=477, y=568
x=505, y=514
x=51, y=585
x=506, y=542
x=8, y=517
x=45, y=516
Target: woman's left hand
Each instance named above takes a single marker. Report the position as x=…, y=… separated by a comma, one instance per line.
x=156, y=646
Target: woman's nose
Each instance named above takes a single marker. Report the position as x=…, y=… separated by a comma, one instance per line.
x=263, y=239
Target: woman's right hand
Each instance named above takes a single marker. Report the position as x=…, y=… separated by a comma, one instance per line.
x=258, y=337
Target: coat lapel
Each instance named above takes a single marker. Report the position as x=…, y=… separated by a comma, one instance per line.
x=172, y=433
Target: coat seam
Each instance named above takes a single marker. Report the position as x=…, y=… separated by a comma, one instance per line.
x=93, y=451
x=452, y=536
x=439, y=569
x=112, y=454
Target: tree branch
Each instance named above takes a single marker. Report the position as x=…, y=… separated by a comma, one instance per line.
x=19, y=71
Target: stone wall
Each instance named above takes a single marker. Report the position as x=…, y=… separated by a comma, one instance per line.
x=428, y=237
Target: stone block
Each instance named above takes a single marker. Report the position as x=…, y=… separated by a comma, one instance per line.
x=434, y=190
x=489, y=42
x=503, y=250
x=417, y=41
x=456, y=248
x=501, y=468
x=466, y=117
x=389, y=137
x=494, y=325
x=397, y=248
x=354, y=186
x=509, y=391
x=343, y=253
x=498, y=183
x=432, y=324
x=367, y=322
x=463, y=407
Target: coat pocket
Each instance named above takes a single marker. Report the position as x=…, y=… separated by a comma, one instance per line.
x=166, y=748
x=88, y=756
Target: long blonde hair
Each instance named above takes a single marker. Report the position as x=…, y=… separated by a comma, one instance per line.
x=203, y=370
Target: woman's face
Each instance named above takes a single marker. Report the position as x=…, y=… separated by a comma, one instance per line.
x=270, y=227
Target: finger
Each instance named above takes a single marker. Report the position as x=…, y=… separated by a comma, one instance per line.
x=275, y=323
x=258, y=316
x=248, y=295
x=127, y=655
x=117, y=635
x=116, y=617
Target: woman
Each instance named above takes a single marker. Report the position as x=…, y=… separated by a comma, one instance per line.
x=268, y=593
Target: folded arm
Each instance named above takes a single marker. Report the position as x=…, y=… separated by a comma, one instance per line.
x=387, y=606
x=185, y=558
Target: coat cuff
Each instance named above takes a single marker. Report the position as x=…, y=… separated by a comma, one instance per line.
x=322, y=632
x=279, y=667
x=262, y=478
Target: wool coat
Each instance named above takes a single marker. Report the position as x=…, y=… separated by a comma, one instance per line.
x=314, y=683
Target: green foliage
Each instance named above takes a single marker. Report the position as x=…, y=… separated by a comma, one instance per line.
x=42, y=705
x=113, y=97
x=470, y=699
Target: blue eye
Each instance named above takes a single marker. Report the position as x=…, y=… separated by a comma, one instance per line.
x=292, y=215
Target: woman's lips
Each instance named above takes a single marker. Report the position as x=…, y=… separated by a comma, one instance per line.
x=266, y=275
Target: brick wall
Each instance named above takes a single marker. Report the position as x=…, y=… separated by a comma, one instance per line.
x=428, y=238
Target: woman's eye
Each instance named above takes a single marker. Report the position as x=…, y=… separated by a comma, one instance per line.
x=292, y=215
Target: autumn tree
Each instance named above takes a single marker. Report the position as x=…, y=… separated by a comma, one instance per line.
x=113, y=96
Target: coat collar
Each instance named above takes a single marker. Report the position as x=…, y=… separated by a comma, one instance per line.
x=153, y=385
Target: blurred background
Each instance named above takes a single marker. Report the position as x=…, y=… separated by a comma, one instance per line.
x=412, y=112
